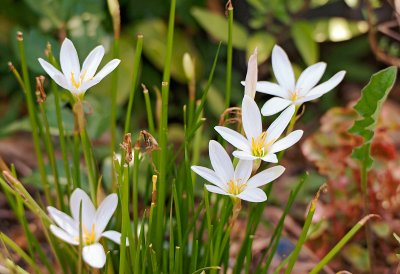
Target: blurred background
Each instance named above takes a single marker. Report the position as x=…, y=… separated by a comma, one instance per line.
x=360, y=37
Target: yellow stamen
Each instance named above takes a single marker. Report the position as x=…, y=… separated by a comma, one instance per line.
x=259, y=147
x=88, y=237
x=74, y=83
x=295, y=95
x=83, y=74
x=235, y=187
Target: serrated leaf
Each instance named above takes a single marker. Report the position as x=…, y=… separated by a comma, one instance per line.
x=217, y=26
x=302, y=35
x=369, y=107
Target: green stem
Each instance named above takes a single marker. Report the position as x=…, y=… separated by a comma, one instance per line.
x=76, y=160
x=289, y=130
x=149, y=110
x=61, y=128
x=136, y=62
x=135, y=192
x=87, y=148
x=124, y=194
x=325, y=260
x=114, y=87
x=51, y=155
x=368, y=232
x=304, y=232
x=163, y=132
x=229, y=56
x=33, y=119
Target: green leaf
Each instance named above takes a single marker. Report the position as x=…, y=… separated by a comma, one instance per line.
x=217, y=26
x=369, y=107
x=302, y=34
x=35, y=44
x=155, y=37
x=264, y=43
x=357, y=256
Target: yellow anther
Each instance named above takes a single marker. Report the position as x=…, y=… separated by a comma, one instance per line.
x=74, y=83
x=235, y=187
x=259, y=147
x=295, y=95
x=88, y=237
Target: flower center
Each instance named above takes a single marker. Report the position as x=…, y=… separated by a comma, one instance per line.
x=81, y=77
x=295, y=95
x=88, y=236
x=259, y=147
x=235, y=187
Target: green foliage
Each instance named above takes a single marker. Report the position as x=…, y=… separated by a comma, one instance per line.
x=302, y=34
x=155, y=36
x=369, y=106
x=264, y=42
x=217, y=26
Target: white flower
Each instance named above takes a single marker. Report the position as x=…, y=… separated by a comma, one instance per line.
x=93, y=224
x=74, y=79
x=235, y=182
x=251, y=76
x=288, y=91
x=260, y=144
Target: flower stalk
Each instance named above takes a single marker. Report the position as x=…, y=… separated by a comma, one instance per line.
x=33, y=119
x=41, y=98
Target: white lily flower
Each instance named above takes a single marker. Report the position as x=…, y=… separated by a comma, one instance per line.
x=251, y=76
x=235, y=182
x=290, y=92
x=259, y=144
x=72, y=77
x=94, y=223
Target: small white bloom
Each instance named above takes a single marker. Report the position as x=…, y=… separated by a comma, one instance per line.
x=94, y=223
x=288, y=91
x=260, y=144
x=235, y=182
x=251, y=76
x=74, y=79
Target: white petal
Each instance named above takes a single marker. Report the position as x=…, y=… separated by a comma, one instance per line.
x=105, y=212
x=327, y=86
x=107, y=69
x=282, y=68
x=243, y=170
x=215, y=189
x=54, y=73
x=88, y=210
x=234, y=138
x=63, y=235
x=287, y=141
x=62, y=82
x=209, y=175
x=220, y=161
x=244, y=155
x=310, y=77
x=275, y=130
x=94, y=255
x=69, y=60
x=253, y=195
x=270, y=158
x=87, y=85
x=274, y=105
x=271, y=88
x=114, y=236
x=92, y=62
x=265, y=176
x=251, y=76
x=64, y=221
x=251, y=118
